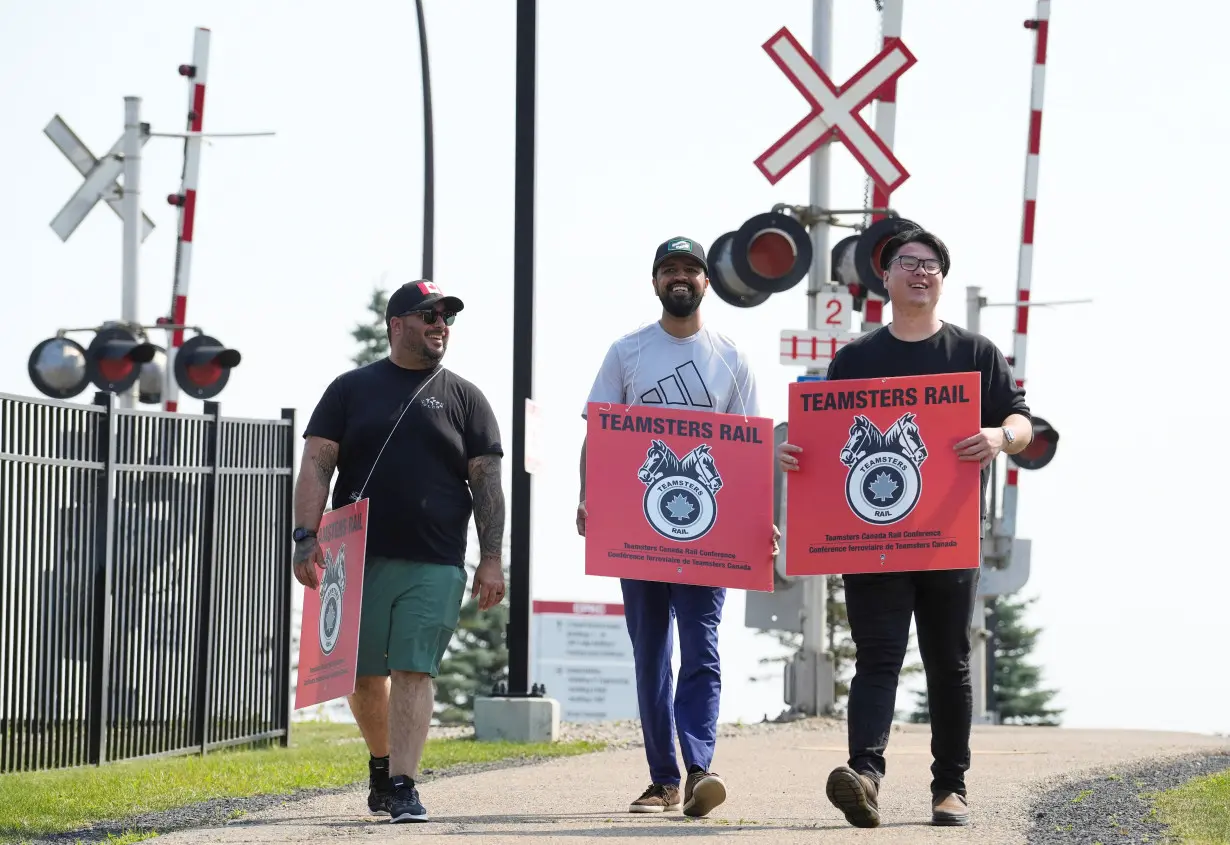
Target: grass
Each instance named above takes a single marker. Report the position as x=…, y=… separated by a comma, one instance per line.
x=320, y=755
x=1198, y=812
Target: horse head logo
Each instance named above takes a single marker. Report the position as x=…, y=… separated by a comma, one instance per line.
x=658, y=460
x=905, y=436
x=702, y=466
x=864, y=438
x=332, y=588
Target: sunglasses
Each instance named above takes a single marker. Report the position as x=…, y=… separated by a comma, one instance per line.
x=429, y=317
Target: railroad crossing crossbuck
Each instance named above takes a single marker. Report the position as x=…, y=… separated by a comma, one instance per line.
x=100, y=179
x=835, y=110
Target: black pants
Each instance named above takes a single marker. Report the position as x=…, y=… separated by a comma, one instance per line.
x=879, y=607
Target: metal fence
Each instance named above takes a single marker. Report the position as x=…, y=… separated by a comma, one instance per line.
x=145, y=581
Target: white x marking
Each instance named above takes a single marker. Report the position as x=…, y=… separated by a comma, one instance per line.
x=835, y=110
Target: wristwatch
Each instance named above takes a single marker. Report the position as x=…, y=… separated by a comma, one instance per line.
x=1008, y=435
x=301, y=534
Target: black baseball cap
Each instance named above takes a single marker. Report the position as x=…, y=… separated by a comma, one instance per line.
x=418, y=295
x=680, y=246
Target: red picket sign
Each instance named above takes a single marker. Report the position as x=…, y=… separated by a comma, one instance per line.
x=679, y=496
x=879, y=487
x=329, y=636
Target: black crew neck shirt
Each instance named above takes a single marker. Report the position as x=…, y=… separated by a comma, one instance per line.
x=952, y=349
x=420, y=501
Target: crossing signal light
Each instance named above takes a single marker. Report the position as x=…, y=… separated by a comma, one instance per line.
x=57, y=368
x=203, y=366
x=1041, y=451
x=114, y=359
x=770, y=253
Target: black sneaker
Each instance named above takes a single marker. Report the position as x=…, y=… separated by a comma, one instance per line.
x=380, y=788
x=404, y=805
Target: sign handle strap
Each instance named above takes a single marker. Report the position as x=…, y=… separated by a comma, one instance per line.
x=354, y=497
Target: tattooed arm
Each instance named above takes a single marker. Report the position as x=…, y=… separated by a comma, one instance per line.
x=312, y=486
x=311, y=491
x=487, y=487
x=486, y=484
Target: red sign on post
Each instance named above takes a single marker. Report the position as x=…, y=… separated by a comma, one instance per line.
x=329, y=636
x=879, y=487
x=679, y=496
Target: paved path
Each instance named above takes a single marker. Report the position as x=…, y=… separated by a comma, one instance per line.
x=775, y=785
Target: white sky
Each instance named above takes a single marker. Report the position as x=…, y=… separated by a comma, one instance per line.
x=650, y=116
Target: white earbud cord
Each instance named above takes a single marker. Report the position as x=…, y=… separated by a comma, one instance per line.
x=354, y=497
x=733, y=379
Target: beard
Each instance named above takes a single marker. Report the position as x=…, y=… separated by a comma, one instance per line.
x=680, y=304
x=424, y=350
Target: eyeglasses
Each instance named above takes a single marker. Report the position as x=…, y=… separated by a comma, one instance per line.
x=430, y=316
x=910, y=263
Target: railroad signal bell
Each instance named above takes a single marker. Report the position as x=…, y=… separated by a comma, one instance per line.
x=1041, y=451
x=770, y=253
x=203, y=366
x=57, y=367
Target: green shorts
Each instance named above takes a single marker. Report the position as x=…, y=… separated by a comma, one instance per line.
x=410, y=611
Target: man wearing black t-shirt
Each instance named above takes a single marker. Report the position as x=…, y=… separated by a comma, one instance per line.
x=879, y=605
x=422, y=445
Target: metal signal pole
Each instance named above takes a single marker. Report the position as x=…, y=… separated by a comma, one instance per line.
x=820, y=694
x=429, y=168
x=131, y=206
x=523, y=350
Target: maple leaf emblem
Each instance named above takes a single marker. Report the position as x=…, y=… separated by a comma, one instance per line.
x=883, y=486
x=679, y=507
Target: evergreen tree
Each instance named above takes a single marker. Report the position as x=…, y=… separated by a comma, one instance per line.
x=1018, y=695
x=372, y=337
x=476, y=661
x=1015, y=693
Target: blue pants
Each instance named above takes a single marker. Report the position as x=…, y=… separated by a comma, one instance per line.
x=649, y=607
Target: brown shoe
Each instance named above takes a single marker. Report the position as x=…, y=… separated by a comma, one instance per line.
x=656, y=799
x=702, y=792
x=949, y=808
x=856, y=795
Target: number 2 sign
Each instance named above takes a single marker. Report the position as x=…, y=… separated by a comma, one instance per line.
x=836, y=311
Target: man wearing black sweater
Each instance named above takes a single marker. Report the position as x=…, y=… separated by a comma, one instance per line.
x=880, y=605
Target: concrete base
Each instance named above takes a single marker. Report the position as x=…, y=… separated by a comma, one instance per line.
x=516, y=719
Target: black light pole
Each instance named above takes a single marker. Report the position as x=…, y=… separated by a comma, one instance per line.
x=429, y=180
x=523, y=351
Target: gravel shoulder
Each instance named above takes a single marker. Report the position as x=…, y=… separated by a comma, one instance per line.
x=775, y=776
x=1111, y=807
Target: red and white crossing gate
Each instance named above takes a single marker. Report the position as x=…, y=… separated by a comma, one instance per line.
x=835, y=111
